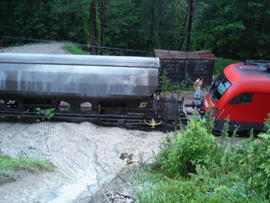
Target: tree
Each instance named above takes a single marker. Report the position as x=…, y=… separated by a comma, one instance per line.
x=235, y=28
x=230, y=28
x=121, y=17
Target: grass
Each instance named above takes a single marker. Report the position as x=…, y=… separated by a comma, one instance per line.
x=221, y=63
x=75, y=49
x=10, y=167
x=155, y=187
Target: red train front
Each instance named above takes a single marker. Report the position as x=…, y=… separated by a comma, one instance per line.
x=241, y=93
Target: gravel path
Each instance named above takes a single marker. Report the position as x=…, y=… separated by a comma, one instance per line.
x=39, y=48
x=85, y=155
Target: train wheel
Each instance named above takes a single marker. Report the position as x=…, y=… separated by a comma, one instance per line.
x=64, y=106
x=86, y=107
x=11, y=104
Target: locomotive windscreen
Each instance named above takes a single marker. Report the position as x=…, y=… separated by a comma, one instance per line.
x=219, y=87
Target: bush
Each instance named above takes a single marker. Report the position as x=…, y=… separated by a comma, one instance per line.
x=192, y=147
x=254, y=158
x=166, y=82
x=192, y=167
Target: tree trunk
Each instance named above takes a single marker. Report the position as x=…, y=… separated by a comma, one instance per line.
x=102, y=25
x=184, y=30
x=93, y=27
x=151, y=40
x=190, y=15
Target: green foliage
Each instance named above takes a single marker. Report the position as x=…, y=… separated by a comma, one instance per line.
x=267, y=123
x=195, y=146
x=47, y=114
x=166, y=82
x=8, y=163
x=225, y=28
x=158, y=188
x=255, y=164
x=122, y=16
x=75, y=49
x=221, y=26
x=184, y=86
x=9, y=167
x=167, y=86
x=192, y=167
x=209, y=124
x=221, y=63
x=154, y=187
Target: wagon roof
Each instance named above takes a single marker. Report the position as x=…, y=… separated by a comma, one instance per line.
x=84, y=60
x=168, y=54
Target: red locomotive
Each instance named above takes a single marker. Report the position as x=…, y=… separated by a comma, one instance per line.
x=241, y=93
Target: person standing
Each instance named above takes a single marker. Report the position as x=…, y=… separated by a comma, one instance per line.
x=197, y=87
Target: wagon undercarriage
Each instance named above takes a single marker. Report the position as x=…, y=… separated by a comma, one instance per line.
x=161, y=114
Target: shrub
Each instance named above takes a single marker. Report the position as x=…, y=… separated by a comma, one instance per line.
x=195, y=146
x=192, y=167
x=166, y=82
x=255, y=164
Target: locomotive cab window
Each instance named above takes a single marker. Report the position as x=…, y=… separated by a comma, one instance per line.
x=219, y=87
x=245, y=98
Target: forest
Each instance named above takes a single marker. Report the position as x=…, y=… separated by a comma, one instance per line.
x=236, y=29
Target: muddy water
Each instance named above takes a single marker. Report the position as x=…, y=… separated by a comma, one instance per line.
x=85, y=156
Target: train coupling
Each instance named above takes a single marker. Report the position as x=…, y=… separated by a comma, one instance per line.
x=153, y=123
x=196, y=105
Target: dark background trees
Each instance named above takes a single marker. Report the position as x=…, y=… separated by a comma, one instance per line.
x=230, y=28
x=235, y=28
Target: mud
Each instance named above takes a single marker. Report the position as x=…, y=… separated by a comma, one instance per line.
x=85, y=156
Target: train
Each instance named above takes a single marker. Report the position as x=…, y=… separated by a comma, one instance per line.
x=241, y=94
x=125, y=91
x=113, y=90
